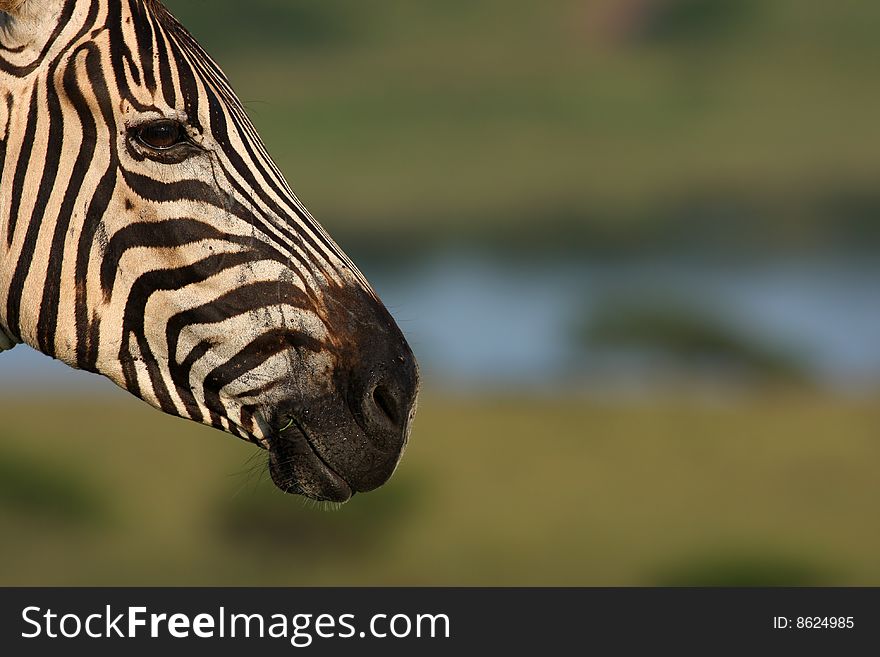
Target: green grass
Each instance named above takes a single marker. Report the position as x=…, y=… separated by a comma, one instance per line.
x=772, y=487
x=453, y=120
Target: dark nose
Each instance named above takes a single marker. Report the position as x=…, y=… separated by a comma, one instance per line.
x=377, y=376
x=387, y=400
x=382, y=399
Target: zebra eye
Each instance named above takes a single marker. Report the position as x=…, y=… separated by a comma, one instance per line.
x=161, y=135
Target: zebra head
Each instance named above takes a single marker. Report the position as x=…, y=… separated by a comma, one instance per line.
x=145, y=234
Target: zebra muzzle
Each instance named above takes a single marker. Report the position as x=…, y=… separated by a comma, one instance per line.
x=296, y=466
x=348, y=439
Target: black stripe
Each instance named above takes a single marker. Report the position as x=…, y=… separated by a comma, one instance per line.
x=163, y=234
x=44, y=191
x=164, y=279
x=3, y=142
x=48, y=319
x=252, y=356
x=21, y=166
x=246, y=299
x=196, y=190
x=143, y=36
x=86, y=329
x=166, y=79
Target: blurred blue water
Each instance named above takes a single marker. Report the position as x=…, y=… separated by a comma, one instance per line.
x=479, y=321
x=483, y=322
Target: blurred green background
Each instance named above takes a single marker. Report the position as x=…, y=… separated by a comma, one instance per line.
x=634, y=244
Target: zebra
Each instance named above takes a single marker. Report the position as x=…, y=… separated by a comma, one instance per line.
x=146, y=235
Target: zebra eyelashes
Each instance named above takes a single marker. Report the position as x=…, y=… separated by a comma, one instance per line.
x=163, y=140
x=161, y=135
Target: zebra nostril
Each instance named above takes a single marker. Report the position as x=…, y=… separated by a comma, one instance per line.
x=385, y=401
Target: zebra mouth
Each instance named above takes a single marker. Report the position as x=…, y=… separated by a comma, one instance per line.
x=297, y=467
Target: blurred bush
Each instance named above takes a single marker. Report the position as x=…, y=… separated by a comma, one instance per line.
x=695, y=21
x=44, y=491
x=747, y=568
x=690, y=338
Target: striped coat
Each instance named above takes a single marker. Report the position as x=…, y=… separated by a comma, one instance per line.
x=146, y=235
